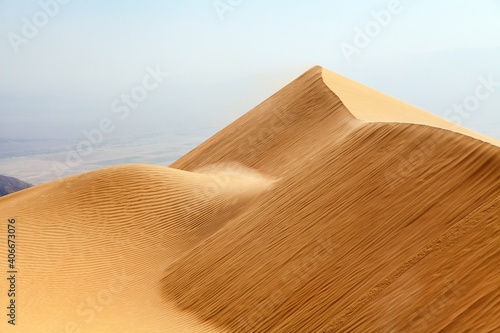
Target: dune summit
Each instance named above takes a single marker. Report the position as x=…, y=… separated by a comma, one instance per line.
x=330, y=207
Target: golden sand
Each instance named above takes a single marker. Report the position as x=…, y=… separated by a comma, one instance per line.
x=330, y=207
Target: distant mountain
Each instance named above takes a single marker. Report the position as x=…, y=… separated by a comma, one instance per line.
x=10, y=185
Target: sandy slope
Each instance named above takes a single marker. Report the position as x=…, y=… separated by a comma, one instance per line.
x=91, y=247
x=322, y=209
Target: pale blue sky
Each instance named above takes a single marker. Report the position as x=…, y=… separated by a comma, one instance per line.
x=65, y=79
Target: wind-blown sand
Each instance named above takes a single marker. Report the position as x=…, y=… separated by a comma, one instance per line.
x=328, y=207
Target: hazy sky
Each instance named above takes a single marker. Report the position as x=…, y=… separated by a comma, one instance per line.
x=66, y=65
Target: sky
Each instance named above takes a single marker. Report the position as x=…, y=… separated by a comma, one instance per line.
x=67, y=66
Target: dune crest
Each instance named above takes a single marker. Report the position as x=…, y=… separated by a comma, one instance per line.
x=371, y=105
x=359, y=211
x=329, y=207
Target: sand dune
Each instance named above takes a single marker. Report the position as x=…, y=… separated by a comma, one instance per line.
x=90, y=246
x=328, y=207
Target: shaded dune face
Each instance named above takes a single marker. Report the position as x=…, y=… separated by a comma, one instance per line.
x=342, y=230
x=357, y=215
x=281, y=133
x=298, y=217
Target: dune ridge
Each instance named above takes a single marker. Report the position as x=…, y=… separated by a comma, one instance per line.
x=427, y=202
x=371, y=105
x=323, y=209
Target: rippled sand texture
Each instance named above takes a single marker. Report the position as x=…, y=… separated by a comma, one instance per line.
x=330, y=207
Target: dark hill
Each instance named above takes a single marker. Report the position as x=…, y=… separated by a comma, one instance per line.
x=10, y=185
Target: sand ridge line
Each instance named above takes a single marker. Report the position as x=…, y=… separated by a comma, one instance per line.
x=234, y=273
x=370, y=105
